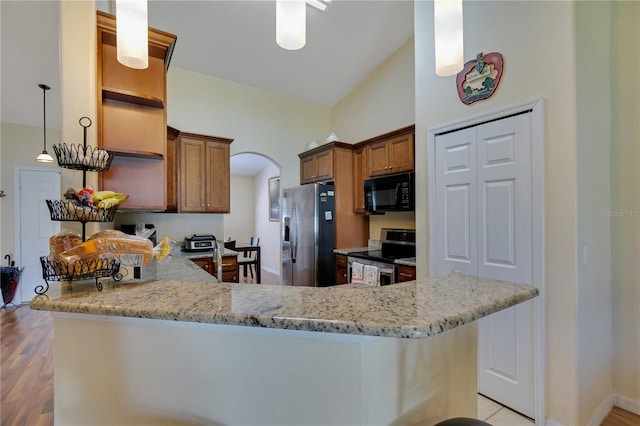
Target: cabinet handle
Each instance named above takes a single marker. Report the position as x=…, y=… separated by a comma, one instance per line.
x=402, y=274
x=202, y=205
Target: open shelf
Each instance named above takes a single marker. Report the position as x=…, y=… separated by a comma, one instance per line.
x=139, y=154
x=132, y=98
x=71, y=211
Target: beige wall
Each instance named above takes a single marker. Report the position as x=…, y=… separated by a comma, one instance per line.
x=239, y=225
x=382, y=102
x=593, y=120
x=625, y=198
x=537, y=42
x=266, y=230
x=276, y=126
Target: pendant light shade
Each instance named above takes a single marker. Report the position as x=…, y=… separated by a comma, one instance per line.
x=291, y=24
x=132, y=33
x=449, y=40
x=44, y=157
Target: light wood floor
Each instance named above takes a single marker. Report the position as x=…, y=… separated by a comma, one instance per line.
x=26, y=367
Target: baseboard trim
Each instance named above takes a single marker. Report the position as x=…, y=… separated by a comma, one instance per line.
x=270, y=270
x=614, y=399
x=602, y=411
x=629, y=404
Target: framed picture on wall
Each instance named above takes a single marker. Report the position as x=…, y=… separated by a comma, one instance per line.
x=274, y=199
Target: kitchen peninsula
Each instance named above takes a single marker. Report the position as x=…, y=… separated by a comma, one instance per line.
x=175, y=350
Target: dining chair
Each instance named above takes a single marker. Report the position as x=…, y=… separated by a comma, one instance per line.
x=249, y=258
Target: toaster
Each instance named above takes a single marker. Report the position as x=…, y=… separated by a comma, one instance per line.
x=199, y=242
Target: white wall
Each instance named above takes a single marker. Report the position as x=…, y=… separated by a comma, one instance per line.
x=625, y=198
x=537, y=42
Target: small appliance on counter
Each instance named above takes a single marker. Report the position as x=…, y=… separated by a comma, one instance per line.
x=199, y=242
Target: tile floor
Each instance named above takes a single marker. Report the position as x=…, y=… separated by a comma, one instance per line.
x=498, y=415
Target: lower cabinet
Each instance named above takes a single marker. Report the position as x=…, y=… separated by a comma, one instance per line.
x=341, y=269
x=405, y=273
x=229, y=267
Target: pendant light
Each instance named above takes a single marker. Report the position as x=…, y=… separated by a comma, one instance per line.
x=449, y=39
x=291, y=24
x=44, y=157
x=132, y=36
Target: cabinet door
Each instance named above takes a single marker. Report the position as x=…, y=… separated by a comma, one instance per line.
x=377, y=159
x=216, y=177
x=172, y=159
x=400, y=154
x=359, y=171
x=341, y=269
x=307, y=170
x=205, y=263
x=324, y=165
x=405, y=273
x=192, y=171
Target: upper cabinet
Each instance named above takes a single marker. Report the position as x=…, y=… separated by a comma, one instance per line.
x=317, y=165
x=385, y=154
x=391, y=153
x=132, y=118
x=204, y=174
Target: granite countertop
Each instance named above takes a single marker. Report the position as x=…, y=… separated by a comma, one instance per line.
x=413, y=309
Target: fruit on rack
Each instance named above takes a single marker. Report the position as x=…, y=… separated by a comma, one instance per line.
x=70, y=194
x=102, y=195
x=85, y=195
x=109, y=202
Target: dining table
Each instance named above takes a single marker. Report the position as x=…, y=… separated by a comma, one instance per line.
x=247, y=249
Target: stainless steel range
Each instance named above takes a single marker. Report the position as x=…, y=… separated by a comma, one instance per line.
x=395, y=244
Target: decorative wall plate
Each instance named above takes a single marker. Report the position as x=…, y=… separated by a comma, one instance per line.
x=479, y=78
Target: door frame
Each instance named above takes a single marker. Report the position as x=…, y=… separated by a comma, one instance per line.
x=17, y=219
x=537, y=108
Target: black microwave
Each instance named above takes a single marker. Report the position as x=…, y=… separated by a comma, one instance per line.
x=390, y=193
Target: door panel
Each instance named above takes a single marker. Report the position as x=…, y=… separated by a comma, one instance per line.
x=455, y=196
x=36, y=186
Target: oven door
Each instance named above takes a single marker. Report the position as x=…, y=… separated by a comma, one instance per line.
x=386, y=271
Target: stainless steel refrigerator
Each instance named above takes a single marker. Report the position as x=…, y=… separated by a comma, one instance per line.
x=308, y=228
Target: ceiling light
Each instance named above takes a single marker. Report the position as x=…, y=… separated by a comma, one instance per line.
x=44, y=157
x=291, y=24
x=132, y=33
x=449, y=40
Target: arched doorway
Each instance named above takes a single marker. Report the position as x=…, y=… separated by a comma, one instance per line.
x=251, y=215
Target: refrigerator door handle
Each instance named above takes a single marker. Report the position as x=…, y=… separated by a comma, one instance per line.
x=294, y=237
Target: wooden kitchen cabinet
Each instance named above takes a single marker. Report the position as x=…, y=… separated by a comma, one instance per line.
x=205, y=263
x=172, y=159
x=318, y=167
x=229, y=267
x=230, y=272
x=132, y=118
x=342, y=276
x=204, y=174
x=391, y=153
x=405, y=273
x=359, y=175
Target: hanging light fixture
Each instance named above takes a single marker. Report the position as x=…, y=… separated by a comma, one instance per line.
x=132, y=33
x=291, y=24
x=44, y=157
x=449, y=39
